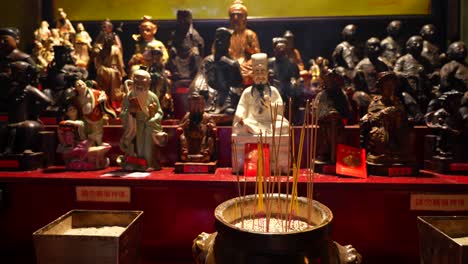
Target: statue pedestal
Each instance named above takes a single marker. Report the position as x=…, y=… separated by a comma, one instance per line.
x=446, y=166
x=23, y=161
x=195, y=167
x=281, y=142
x=392, y=170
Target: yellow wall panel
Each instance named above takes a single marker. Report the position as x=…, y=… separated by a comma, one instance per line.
x=215, y=9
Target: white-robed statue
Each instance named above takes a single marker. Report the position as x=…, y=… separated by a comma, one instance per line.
x=255, y=115
x=258, y=102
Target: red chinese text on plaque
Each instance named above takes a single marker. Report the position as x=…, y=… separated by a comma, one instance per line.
x=103, y=194
x=351, y=161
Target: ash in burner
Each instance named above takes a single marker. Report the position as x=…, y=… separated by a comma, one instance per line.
x=276, y=225
x=96, y=231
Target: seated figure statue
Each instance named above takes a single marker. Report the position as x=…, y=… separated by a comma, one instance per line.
x=255, y=114
x=219, y=80
x=198, y=132
x=385, y=129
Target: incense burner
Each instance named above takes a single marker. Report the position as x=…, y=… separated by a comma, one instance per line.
x=234, y=244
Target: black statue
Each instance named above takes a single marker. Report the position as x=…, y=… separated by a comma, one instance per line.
x=345, y=54
x=219, y=79
x=415, y=71
x=391, y=46
x=430, y=50
x=186, y=34
x=9, y=53
x=454, y=74
x=368, y=68
x=24, y=104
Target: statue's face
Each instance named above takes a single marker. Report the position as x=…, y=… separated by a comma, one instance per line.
x=414, y=45
x=196, y=104
x=260, y=74
x=457, y=51
x=184, y=22
x=7, y=43
x=44, y=24
x=147, y=30
x=141, y=81
x=238, y=19
x=107, y=26
x=349, y=32
x=428, y=32
x=373, y=47
x=222, y=42
x=280, y=49
x=72, y=113
x=393, y=28
x=80, y=27
x=62, y=15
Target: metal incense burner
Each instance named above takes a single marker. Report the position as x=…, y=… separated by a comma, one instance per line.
x=234, y=244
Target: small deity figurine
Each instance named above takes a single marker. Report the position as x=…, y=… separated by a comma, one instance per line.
x=160, y=83
x=333, y=109
x=450, y=127
x=197, y=132
x=219, y=79
x=414, y=70
x=108, y=28
x=368, y=68
x=65, y=27
x=141, y=119
x=385, y=129
x=186, y=35
x=345, y=54
x=55, y=39
x=146, y=40
x=285, y=75
x=110, y=69
x=391, y=48
x=291, y=51
x=24, y=105
x=81, y=140
x=244, y=41
x=253, y=115
x=430, y=50
x=42, y=34
x=82, y=46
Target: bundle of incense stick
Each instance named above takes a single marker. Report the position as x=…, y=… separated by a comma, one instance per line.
x=268, y=183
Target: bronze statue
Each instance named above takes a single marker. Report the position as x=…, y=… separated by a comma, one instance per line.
x=108, y=28
x=454, y=74
x=449, y=125
x=186, y=50
x=333, y=107
x=9, y=53
x=430, y=50
x=197, y=132
x=110, y=69
x=141, y=120
x=219, y=79
x=24, y=105
x=368, y=68
x=345, y=53
x=414, y=70
x=391, y=47
x=160, y=83
x=285, y=76
x=385, y=128
x=292, y=52
x=244, y=41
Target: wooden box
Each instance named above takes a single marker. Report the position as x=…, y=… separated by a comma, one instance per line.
x=54, y=244
x=443, y=239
